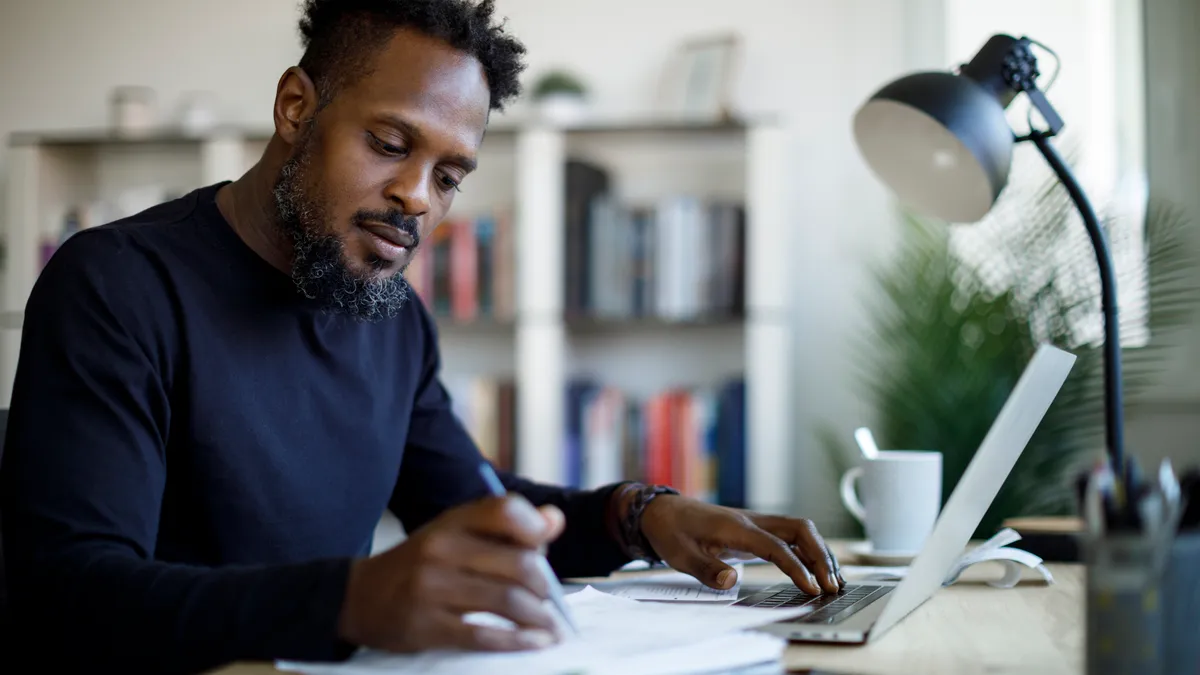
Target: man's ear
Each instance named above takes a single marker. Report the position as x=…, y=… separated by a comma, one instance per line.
x=295, y=104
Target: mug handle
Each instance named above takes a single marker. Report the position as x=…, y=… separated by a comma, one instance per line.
x=850, y=495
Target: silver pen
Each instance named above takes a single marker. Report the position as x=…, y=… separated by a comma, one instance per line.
x=556, y=591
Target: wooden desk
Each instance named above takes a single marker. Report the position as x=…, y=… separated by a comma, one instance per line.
x=969, y=627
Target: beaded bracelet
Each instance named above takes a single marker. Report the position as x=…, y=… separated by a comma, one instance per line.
x=636, y=544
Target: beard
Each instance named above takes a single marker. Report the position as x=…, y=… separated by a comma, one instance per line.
x=320, y=269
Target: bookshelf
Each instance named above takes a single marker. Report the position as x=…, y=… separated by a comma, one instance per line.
x=547, y=341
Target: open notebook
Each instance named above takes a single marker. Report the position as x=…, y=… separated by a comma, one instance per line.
x=618, y=636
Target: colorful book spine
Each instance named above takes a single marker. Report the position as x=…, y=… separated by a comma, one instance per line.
x=503, y=273
x=464, y=269
x=692, y=439
x=486, y=407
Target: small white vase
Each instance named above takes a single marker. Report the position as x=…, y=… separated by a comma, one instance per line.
x=198, y=113
x=562, y=108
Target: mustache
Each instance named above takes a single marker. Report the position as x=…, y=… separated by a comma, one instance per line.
x=407, y=224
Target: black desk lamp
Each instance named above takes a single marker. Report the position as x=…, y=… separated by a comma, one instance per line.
x=941, y=142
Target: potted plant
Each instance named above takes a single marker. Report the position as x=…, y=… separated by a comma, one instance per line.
x=560, y=97
x=951, y=333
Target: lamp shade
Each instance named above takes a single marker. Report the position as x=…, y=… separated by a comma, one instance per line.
x=939, y=141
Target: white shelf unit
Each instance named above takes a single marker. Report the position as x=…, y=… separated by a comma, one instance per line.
x=739, y=161
x=50, y=173
x=521, y=168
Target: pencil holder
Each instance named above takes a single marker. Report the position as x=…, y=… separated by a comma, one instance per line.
x=1142, y=605
x=1181, y=606
x=1123, y=606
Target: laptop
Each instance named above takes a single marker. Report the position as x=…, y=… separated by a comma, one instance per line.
x=863, y=612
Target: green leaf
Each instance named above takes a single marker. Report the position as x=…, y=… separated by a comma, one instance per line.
x=958, y=312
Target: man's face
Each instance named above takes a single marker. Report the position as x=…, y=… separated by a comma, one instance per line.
x=377, y=170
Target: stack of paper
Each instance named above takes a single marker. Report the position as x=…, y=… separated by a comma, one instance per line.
x=618, y=636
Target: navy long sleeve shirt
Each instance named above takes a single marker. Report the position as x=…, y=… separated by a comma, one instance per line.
x=196, y=452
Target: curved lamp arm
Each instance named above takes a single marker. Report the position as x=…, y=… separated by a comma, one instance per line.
x=1113, y=407
x=1018, y=71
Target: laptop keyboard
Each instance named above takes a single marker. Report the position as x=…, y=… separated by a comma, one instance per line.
x=828, y=608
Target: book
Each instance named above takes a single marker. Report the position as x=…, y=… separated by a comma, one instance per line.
x=691, y=438
x=464, y=269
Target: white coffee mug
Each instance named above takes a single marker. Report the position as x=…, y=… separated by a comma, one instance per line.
x=901, y=498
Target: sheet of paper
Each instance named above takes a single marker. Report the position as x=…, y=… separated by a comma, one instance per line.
x=997, y=549
x=671, y=587
x=723, y=654
x=728, y=557
x=1012, y=560
x=617, y=635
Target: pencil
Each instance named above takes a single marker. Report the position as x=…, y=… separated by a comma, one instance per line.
x=556, y=591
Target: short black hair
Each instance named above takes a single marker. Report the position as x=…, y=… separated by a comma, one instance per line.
x=341, y=36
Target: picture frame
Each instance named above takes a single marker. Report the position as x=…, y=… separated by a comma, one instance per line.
x=699, y=81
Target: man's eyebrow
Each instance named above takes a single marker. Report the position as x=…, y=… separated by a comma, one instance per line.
x=411, y=130
x=468, y=164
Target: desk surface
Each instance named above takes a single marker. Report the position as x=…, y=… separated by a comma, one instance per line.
x=969, y=627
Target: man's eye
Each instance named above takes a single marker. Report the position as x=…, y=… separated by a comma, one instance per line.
x=448, y=183
x=386, y=148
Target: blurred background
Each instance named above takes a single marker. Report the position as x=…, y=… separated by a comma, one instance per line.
x=673, y=264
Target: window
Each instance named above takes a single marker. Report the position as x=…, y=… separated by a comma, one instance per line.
x=1033, y=239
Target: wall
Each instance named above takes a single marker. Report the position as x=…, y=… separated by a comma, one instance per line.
x=1082, y=33
x=810, y=61
x=1166, y=421
x=63, y=56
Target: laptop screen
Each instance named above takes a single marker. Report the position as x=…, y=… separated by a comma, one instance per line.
x=995, y=458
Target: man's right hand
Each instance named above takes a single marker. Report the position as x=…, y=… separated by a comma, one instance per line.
x=480, y=557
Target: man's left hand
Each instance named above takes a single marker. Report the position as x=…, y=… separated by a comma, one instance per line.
x=691, y=536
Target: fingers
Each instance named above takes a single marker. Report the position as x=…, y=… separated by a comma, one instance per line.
x=708, y=569
x=466, y=593
x=808, y=546
x=511, y=518
x=555, y=520
x=815, y=553
x=776, y=551
x=474, y=637
x=837, y=566
x=501, y=562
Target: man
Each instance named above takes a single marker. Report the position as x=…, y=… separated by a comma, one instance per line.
x=217, y=398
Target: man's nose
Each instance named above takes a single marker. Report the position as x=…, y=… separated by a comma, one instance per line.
x=409, y=190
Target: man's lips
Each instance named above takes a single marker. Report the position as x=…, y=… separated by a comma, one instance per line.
x=392, y=234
